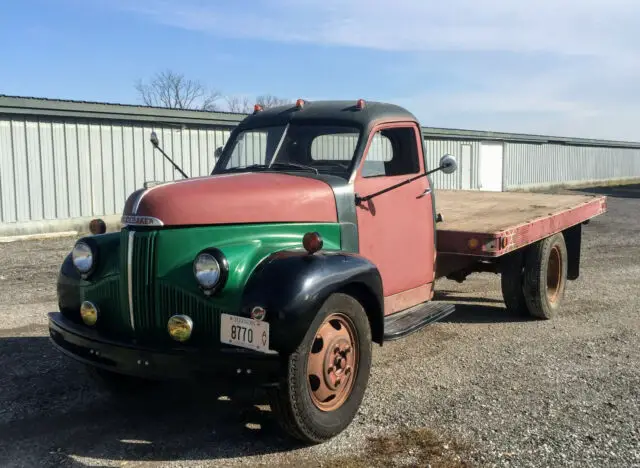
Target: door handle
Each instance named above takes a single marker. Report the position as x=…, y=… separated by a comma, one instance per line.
x=427, y=191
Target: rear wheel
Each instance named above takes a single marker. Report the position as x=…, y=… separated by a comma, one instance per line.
x=512, y=283
x=545, y=276
x=327, y=374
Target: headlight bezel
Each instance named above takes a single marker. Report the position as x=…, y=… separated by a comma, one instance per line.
x=223, y=265
x=84, y=274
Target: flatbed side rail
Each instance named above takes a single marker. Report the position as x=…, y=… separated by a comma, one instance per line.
x=498, y=243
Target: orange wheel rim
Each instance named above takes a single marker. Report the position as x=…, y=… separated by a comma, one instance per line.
x=333, y=362
x=554, y=274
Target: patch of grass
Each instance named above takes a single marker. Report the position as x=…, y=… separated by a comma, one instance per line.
x=409, y=447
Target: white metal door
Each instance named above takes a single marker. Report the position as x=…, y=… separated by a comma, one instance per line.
x=491, y=167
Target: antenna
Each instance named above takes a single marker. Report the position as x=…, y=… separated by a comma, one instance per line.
x=156, y=144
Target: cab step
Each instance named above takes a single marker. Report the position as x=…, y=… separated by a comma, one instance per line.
x=404, y=323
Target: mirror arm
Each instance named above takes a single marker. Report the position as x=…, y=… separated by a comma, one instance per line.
x=360, y=199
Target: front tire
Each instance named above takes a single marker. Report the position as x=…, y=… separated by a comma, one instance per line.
x=327, y=374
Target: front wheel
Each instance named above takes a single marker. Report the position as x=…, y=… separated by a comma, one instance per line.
x=327, y=374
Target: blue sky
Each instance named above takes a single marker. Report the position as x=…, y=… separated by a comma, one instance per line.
x=564, y=67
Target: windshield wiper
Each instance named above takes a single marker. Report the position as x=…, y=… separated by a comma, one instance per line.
x=290, y=164
x=245, y=168
x=266, y=167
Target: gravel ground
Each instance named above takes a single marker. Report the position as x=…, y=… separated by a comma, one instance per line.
x=478, y=389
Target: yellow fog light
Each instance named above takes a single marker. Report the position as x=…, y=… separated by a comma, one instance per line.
x=89, y=313
x=180, y=327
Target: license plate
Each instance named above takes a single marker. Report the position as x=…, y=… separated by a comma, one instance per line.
x=244, y=332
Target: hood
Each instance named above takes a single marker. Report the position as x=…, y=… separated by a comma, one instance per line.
x=234, y=199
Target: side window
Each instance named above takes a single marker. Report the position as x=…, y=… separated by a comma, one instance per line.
x=392, y=152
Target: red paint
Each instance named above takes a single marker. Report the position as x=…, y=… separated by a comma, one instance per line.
x=237, y=198
x=516, y=237
x=395, y=229
x=404, y=300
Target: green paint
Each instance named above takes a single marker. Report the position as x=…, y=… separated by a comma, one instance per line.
x=243, y=245
x=164, y=284
x=108, y=257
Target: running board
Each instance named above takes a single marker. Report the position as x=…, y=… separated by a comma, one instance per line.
x=404, y=323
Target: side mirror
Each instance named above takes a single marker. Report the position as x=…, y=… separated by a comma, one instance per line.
x=218, y=152
x=154, y=139
x=448, y=164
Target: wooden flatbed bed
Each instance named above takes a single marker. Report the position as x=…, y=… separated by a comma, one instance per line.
x=490, y=224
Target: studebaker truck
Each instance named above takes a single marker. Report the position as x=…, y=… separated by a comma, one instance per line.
x=317, y=234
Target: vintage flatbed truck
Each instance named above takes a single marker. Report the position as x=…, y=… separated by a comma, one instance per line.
x=316, y=234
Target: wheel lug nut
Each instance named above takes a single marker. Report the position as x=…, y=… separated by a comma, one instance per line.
x=347, y=371
x=336, y=350
x=347, y=349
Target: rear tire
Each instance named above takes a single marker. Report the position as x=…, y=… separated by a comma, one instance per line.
x=318, y=398
x=512, y=283
x=545, y=276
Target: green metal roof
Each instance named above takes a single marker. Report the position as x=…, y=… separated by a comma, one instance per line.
x=31, y=106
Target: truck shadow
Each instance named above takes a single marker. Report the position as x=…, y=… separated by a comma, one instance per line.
x=53, y=412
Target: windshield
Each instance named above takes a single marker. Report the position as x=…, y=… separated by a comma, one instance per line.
x=301, y=147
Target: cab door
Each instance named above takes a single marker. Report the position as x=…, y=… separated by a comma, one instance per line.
x=396, y=228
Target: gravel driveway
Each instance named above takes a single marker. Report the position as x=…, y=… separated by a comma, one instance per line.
x=478, y=389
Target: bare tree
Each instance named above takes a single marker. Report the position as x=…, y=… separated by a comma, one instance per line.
x=173, y=90
x=268, y=100
x=239, y=104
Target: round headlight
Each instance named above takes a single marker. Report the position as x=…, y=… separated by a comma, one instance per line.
x=207, y=270
x=82, y=257
x=180, y=327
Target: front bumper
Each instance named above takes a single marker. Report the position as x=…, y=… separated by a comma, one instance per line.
x=87, y=346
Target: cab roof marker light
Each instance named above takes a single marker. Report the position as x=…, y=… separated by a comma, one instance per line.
x=300, y=103
x=360, y=104
x=257, y=108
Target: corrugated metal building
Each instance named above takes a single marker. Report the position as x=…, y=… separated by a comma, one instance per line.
x=66, y=161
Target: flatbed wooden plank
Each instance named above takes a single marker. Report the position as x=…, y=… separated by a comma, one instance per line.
x=511, y=219
x=490, y=212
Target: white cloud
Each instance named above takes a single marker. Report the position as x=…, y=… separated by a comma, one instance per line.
x=557, y=26
x=586, y=83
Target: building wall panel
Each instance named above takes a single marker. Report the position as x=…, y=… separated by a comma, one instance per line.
x=21, y=171
x=536, y=165
x=7, y=174
x=49, y=195
x=73, y=169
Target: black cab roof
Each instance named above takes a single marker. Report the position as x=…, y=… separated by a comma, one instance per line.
x=336, y=112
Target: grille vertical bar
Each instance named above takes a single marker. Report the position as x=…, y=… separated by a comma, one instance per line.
x=142, y=283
